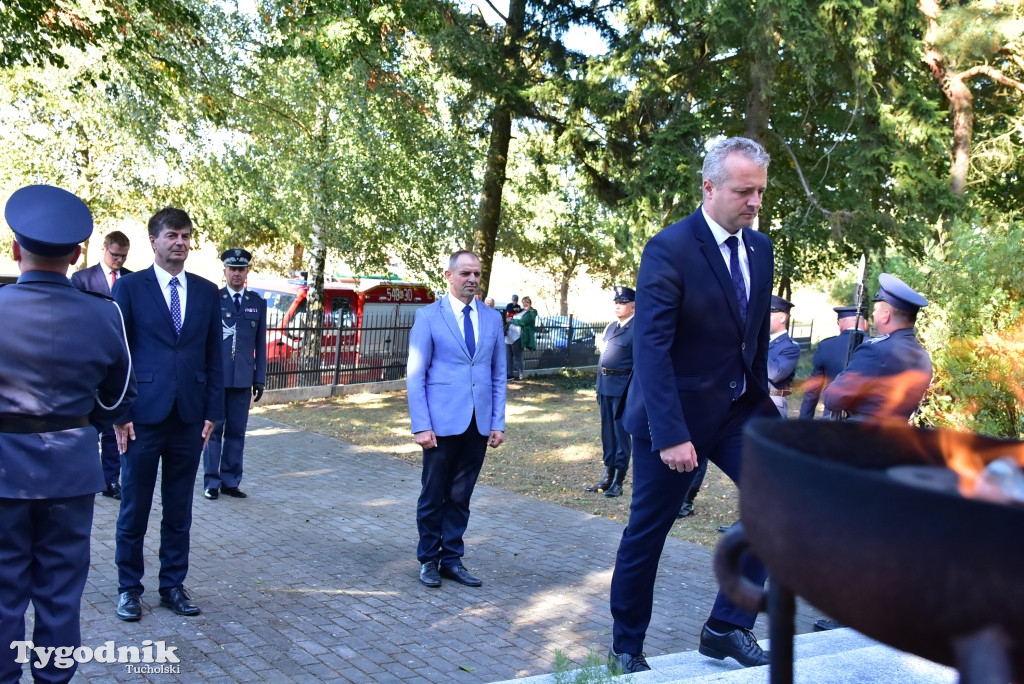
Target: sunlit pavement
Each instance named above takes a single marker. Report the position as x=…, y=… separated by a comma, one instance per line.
x=314, y=578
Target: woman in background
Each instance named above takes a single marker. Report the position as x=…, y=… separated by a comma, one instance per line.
x=521, y=335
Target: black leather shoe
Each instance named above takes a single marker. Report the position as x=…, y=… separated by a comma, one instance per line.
x=739, y=644
x=724, y=528
x=129, y=605
x=430, y=575
x=626, y=663
x=685, y=510
x=233, y=492
x=826, y=624
x=178, y=600
x=113, y=491
x=460, y=575
x=602, y=484
x=211, y=493
x=614, y=490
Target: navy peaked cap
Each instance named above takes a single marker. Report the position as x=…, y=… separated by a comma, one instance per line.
x=624, y=294
x=780, y=304
x=897, y=293
x=239, y=258
x=47, y=220
x=849, y=311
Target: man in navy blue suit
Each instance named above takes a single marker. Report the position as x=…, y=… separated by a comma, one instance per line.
x=173, y=322
x=57, y=388
x=100, y=278
x=244, y=325
x=700, y=352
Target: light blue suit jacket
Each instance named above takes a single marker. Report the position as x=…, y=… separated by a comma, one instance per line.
x=445, y=386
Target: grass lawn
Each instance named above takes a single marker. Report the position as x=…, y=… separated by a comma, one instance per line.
x=552, y=448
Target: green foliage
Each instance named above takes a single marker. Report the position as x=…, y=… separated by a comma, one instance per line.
x=593, y=670
x=974, y=329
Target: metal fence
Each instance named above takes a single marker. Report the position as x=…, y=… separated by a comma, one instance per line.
x=310, y=351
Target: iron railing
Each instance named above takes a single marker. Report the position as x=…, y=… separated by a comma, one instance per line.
x=309, y=351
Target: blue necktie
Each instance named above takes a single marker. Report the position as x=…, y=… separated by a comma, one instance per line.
x=175, y=305
x=468, y=327
x=238, y=303
x=737, y=275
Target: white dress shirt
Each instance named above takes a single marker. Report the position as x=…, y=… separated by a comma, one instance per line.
x=721, y=235
x=457, y=307
x=163, y=278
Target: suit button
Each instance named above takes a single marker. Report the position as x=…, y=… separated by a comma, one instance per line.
x=743, y=346
x=732, y=385
x=174, y=377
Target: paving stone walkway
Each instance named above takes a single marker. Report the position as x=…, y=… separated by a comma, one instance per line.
x=313, y=578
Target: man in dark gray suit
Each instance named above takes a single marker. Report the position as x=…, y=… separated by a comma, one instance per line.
x=100, y=278
x=700, y=372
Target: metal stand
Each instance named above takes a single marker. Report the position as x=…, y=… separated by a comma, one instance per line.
x=781, y=629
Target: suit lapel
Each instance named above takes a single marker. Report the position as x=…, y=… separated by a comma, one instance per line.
x=153, y=286
x=713, y=254
x=453, y=325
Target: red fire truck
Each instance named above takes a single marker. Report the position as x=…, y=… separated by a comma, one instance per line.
x=363, y=337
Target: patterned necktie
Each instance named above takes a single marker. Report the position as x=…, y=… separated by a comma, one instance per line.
x=238, y=303
x=175, y=305
x=737, y=275
x=113, y=278
x=470, y=335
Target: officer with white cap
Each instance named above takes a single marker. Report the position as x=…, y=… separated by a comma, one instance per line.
x=57, y=388
x=888, y=375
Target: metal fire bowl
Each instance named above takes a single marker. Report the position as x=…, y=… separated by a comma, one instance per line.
x=918, y=569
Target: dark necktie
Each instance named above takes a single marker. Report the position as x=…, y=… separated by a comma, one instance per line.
x=175, y=305
x=470, y=335
x=238, y=302
x=737, y=275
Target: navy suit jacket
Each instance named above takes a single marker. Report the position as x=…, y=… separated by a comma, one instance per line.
x=184, y=370
x=690, y=348
x=94, y=278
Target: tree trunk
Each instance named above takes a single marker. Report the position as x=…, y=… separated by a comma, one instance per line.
x=764, y=47
x=489, y=217
x=563, y=295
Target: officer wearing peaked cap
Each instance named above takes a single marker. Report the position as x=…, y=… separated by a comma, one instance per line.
x=614, y=367
x=832, y=354
x=244, y=322
x=888, y=375
x=54, y=395
x=783, y=354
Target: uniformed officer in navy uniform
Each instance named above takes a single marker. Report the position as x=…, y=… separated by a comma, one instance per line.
x=244, y=319
x=832, y=355
x=888, y=375
x=58, y=388
x=614, y=367
x=783, y=354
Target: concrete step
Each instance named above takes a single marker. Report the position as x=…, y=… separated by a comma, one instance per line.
x=840, y=656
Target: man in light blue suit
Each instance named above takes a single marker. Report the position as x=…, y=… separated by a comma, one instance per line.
x=456, y=388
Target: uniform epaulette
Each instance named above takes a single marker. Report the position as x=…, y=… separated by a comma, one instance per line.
x=98, y=294
x=878, y=339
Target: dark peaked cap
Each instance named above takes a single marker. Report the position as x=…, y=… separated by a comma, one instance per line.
x=48, y=220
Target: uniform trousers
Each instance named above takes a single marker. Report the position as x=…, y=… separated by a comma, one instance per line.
x=223, y=455
x=615, y=440
x=109, y=456
x=658, y=493
x=174, y=446
x=44, y=558
x=450, y=471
